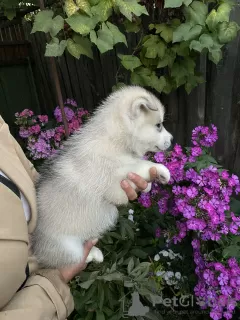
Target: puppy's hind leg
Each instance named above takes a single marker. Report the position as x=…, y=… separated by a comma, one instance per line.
x=95, y=255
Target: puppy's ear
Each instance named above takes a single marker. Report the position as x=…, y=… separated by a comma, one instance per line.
x=142, y=105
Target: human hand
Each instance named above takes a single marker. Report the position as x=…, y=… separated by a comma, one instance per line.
x=138, y=181
x=68, y=273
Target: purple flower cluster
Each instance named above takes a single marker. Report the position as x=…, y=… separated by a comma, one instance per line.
x=41, y=142
x=204, y=201
x=218, y=285
x=200, y=202
x=204, y=136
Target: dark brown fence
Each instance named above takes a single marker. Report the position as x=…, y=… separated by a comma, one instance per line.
x=216, y=101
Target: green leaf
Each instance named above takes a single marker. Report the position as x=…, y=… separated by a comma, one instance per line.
x=186, y=32
x=165, y=31
x=232, y=251
x=86, y=284
x=196, y=13
x=227, y=31
x=220, y=15
x=128, y=284
x=183, y=68
x=205, y=41
x=100, y=315
x=132, y=26
x=78, y=46
x=84, y=6
x=107, y=37
x=141, y=76
x=215, y=56
x=169, y=86
x=172, y=3
x=130, y=7
x=138, y=253
x=142, y=267
x=176, y=3
x=235, y=206
x=54, y=48
x=100, y=297
x=130, y=265
x=43, y=21
x=181, y=49
x=155, y=47
x=57, y=25
x=103, y=9
x=104, y=40
x=70, y=7
x=116, y=276
x=167, y=60
x=192, y=82
x=117, y=35
x=81, y=23
x=157, y=83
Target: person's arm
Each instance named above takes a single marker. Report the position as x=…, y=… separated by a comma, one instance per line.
x=46, y=294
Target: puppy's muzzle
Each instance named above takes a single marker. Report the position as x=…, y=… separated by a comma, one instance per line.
x=169, y=145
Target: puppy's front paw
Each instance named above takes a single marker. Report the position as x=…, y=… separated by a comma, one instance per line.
x=95, y=255
x=163, y=174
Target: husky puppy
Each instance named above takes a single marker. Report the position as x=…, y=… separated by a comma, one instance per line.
x=79, y=189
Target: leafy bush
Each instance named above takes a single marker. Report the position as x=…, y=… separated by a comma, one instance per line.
x=177, y=33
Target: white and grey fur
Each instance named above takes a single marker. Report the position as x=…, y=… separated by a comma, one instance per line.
x=79, y=189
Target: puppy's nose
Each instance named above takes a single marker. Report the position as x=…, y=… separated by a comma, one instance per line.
x=172, y=144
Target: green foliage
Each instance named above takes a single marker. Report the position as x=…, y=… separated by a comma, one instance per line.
x=105, y=290
x=100, y=292
x=166, y=55
x=176, y=3
x=79, y=45
x=55, y=48
x=172, y=48
x=107, y=37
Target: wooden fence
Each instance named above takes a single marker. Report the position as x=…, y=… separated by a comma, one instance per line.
x=216, y=101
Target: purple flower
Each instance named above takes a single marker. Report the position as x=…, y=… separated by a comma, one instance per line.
x=216, y=315
x=227, y=315
x=24, y=133
x=223, y=279
x=43, y=118
x=145, y=200
x=159, y=157
x=158, y=233
x=68, y=112
x=188, y=212
x=192, y=192
x=208, y=275
x=196, y=224
x=232, y=262
x=233, y=228
x=196, y=244
x=226, y=290
x=196, y=151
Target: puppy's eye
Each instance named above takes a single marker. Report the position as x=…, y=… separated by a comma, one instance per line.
x=159, y=126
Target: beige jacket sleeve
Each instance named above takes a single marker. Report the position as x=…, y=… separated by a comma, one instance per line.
x=45, y=295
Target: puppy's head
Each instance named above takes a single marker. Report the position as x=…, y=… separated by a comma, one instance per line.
x=144, y=117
